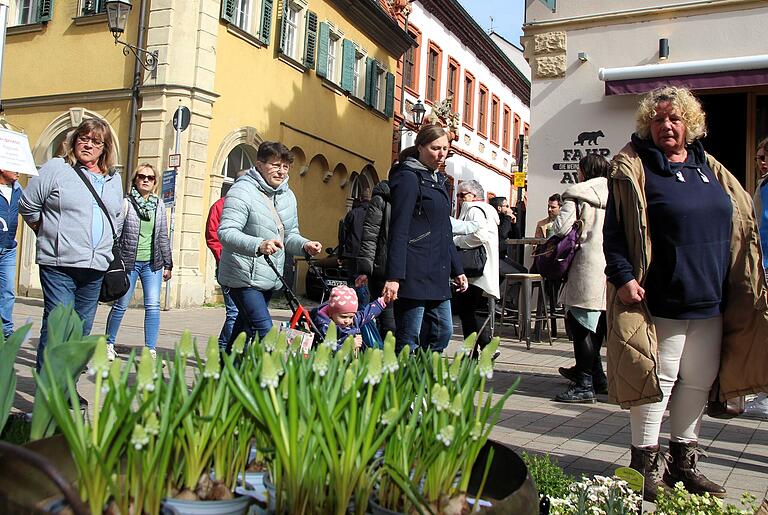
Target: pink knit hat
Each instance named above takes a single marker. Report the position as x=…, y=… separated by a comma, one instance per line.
x=343, y=299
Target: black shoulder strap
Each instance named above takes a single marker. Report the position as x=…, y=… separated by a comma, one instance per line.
x=98, y=199
x=481, y=210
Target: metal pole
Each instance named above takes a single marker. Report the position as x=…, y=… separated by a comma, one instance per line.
x=133, y=121
x=173, y=208
x=3, y=23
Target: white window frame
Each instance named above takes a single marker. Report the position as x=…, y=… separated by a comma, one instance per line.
x=359, y=74
x=16, y=10
x=380, y=92
x=335, y=57
x=98, y=5
x=229, y=180
x=243, y=18
x=292, y=29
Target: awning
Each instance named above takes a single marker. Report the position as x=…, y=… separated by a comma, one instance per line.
x=730, y=72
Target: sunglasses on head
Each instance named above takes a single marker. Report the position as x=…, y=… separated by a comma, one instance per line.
x=142, y=177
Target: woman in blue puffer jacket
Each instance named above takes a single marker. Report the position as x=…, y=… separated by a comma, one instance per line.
x=259, y=218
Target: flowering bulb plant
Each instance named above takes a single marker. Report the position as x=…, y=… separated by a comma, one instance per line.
x=599, y=495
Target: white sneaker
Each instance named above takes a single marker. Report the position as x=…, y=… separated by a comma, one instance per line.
x=111, y=354
x=757, y=407
x=153, y=353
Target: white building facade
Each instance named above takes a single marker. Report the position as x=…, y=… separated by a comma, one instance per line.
x=455, y=58
x=592, y=60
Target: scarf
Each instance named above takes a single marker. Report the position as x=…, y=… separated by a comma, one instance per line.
x=144, y=207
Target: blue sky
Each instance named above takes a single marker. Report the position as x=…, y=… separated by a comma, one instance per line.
x=507, y=16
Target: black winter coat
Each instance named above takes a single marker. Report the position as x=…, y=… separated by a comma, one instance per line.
x=372, y=255
x=421, y=252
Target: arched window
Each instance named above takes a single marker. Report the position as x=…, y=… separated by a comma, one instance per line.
x=241, y=157
x=57, y=145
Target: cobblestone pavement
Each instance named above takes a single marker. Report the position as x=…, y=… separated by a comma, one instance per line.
x=590, y=439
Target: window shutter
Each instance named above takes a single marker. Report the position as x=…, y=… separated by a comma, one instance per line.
x=310, y=44
x=389, y=103
x=45, y=11
x=266, y=21
x=283, y=20
x=347, y=65
x=370, y=76
x=228, y=10
x=322, y=50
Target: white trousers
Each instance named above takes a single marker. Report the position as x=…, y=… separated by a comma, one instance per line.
x=688, y=362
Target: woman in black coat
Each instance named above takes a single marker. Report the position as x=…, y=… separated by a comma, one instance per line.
x=421, y=258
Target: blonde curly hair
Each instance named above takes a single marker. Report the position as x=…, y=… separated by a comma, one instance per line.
x=683, y=102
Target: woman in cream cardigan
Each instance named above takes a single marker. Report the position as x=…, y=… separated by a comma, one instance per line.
x=584, y=291
x=474, y=208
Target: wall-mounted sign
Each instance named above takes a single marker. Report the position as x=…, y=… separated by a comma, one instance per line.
x=169, y=188
x=519, y=179
x=586, y=143
x=174, y=160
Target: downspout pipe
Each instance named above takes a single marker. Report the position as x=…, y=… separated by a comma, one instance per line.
x=133, y=121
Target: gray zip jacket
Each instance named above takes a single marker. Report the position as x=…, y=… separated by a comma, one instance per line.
x=246, y=221
x=129, y=239
x=58, y=198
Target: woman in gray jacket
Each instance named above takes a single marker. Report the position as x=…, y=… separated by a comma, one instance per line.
x=259, y=218
x=146, y=251
x=74, y=235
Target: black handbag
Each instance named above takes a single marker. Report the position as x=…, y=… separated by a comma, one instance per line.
x=473, y=260
x=115, y=283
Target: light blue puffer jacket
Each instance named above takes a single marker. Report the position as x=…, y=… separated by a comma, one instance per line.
x=247, y=221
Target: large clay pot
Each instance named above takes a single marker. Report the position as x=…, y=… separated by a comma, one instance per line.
x=508, y=487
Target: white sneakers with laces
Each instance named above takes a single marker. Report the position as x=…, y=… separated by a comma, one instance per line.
x=153, y=353
x=111, y=354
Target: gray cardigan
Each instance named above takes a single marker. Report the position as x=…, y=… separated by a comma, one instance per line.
x=129, y=239
x=58, y=198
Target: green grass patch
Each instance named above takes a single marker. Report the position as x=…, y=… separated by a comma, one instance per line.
x=550, y=479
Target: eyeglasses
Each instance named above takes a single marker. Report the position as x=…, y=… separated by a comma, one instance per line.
x=92, y=141
x=141, y=177
x=760, y=158
x=279, y=167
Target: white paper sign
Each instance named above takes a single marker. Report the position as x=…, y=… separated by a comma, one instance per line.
x=15, y=155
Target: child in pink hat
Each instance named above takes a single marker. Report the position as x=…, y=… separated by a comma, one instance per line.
x=342, y=308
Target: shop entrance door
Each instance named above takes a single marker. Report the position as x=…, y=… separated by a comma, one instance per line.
x=727, y=131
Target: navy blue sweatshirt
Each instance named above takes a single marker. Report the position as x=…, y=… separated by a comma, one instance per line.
x=689, y=223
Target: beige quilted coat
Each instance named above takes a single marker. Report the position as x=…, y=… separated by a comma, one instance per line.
x=631, y=340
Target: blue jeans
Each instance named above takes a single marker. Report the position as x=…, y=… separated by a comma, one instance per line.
x=253, y=313
x=7, y=285
x=229, y=318
x=423, y=323
x=67, y=285
x=151, y=283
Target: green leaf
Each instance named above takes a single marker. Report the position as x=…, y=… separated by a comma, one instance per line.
x=9, y=349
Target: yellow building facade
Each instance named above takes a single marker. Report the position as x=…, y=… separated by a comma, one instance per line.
x=317, y=75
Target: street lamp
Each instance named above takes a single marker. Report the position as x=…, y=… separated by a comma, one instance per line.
x=417, y=116
x=117, y=17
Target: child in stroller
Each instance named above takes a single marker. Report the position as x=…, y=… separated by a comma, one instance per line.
x=342, y=309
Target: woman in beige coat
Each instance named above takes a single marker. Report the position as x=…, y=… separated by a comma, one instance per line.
x=687, y=294
x=584, y=291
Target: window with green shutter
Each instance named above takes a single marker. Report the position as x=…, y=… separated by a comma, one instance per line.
x=228, y=10
x=348, y=59
x=45, y=11
x=316, y=42
x=370, y=71
x=266, y=21
x=389, y=101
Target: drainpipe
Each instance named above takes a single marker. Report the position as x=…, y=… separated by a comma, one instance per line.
x=132, y=127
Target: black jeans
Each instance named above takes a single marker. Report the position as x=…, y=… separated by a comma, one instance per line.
x=467, y=304
x=586, y=347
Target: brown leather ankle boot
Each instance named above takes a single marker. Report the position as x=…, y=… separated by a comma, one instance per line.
x=682, y=467
x=650, y=463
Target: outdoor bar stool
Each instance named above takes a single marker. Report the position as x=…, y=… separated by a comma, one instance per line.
x=527, y=284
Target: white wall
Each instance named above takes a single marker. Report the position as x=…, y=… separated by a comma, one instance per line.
x=458, y=166
x=564, y=108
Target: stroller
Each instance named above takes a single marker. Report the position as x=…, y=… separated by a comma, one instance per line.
x=301, y=315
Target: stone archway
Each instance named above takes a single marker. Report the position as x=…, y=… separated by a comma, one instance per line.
x=246, y=136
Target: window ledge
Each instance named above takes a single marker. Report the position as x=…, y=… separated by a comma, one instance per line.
x=468, y=126
x=359, y=102
x=23, y=29
x=245, y=36
x=333, y=86
x=412, y=91
x=90, y=19
x=380, y=114
x=293, y=63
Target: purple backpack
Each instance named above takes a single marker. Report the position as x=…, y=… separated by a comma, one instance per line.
x=553, y=258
